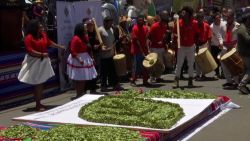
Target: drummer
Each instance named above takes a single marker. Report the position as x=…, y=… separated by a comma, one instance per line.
x=244, y=51
x=217, y=40
x=157, y=38
x=229, y=42
x=107, y=52
x=203, y=40
x=125, y=41
x=139, y=49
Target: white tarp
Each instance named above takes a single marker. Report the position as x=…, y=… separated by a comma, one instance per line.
x=68, y=113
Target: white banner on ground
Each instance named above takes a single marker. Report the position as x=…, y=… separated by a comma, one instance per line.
x=68, y=113
x=68, y=15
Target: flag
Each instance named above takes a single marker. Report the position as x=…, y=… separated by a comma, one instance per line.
x=151, y=9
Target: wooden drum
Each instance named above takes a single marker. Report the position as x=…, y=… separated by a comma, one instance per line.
x=154, y=65
x=120, y=64
x=205, y=61
x=233, y=62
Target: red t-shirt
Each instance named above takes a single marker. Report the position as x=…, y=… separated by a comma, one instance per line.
x=156, y=35
x=78, y=46
x=205, y=33
x=139, y=33
x=188, y=32
x=229, y=40
x=39, y=45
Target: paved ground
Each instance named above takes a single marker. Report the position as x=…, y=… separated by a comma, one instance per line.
x=233, y=126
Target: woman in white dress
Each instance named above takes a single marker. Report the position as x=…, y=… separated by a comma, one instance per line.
x=80, y=65
x=36, y=67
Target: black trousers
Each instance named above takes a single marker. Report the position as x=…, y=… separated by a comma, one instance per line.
x=215, y=52
x=108, y=72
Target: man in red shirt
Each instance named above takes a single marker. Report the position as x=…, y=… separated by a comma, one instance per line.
x=157, y=37
x=188, y=35
x=139, y=49
x=229, y=42
x=204, y=36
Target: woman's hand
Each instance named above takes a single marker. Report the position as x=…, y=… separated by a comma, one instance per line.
x=61, y=47
x=96, y=47
x=45, y=55
x=104, y=48
x=80, y=60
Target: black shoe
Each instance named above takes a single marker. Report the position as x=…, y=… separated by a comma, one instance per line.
x=104, y=89
x=146, y=84
x=227, y=84
x=197, y=78
x=243, y=89
x=190, y=82
x=231, y=87
x=176, y=85
x=118, y=88
x=158, y=80
x=222, y=76
x=93, y=91
x=203, y=77
x=182, y=77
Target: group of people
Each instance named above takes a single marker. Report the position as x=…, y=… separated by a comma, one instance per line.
x=92, y=50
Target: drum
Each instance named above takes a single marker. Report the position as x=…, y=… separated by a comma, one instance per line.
x=233, y=62
x=120, y=64
x=154, y=65
x=205, y=61
x=170, y=58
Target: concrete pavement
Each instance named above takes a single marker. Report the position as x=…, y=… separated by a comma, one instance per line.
x=233, y=126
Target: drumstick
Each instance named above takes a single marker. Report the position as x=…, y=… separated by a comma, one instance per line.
x=176, y=16
x=97, y=32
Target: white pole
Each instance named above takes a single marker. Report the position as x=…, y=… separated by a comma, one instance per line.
x=176, y=16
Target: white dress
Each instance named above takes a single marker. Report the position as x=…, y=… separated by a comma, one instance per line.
x=35, y=70
x=77, y=71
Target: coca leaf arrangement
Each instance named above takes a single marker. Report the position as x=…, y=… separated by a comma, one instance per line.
x=69, y=132
x=177, y=94
x=18, y=132
x=132, y=112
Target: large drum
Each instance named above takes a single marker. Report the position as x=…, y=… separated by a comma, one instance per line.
x=154, y=65
x=233, y=62
x=170, y=58
x=120, y=64
x=205, y=61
